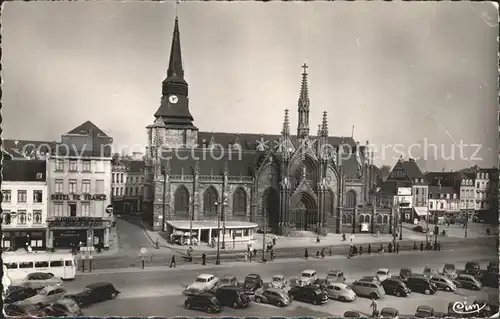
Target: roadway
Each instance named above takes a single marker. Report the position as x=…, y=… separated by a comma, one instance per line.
x=158, y=292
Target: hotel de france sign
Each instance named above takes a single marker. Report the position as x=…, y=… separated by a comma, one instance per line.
x=87, y=197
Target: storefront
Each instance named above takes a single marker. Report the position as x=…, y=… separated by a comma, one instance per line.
x=65, y=232
x=14, y=239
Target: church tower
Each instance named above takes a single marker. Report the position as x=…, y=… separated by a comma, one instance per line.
x=173, y=115
x=303, y=104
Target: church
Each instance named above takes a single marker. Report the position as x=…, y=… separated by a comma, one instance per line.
x=284, y=182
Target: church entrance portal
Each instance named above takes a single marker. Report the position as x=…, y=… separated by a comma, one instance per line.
x=271, y=205
x=304, y=214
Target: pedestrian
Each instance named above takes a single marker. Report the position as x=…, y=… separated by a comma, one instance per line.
x=421, y=246
x=343, y=237
x=255, y=252
x=157, y=244
x=322, y=253
x=352, y=237
x=439, y=246
x=389, y=247
x=306, y=254
x=172, y=261
x=435, y=246
x=317, y=239
x=397, y=248
x=360, y=250
x=330, y=250
x=381, y=249
x=272, y=254
x=414, y=245
x=203, y=259
x=274, y=240
x=375, y=308
x=317, y=254
x=369, y=249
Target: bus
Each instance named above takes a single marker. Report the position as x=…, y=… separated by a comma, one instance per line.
x=20, y=264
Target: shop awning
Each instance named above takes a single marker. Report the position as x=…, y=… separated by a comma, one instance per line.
x=421, y=211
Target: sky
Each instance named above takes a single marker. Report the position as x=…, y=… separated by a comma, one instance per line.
x=419, y=73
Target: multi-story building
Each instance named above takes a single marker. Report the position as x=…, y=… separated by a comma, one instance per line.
x=485, y=182
x=444, y=203
x=408, y=171
x=394, y=201
x=451, y=194
x=128, y=184
x=24, y=204
x=280, y=182
x=79, y=183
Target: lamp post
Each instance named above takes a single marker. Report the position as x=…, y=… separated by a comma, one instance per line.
x=223, y=216
x=163, y=201
x=217, y=258
x=264, y=236
x=190, y=214
x=466, y=218
x=400, y=223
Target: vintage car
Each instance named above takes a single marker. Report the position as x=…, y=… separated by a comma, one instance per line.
x=308, y=276
x=202, y=283
x=382, y=274
x=450, y=271
x=44, y=297
x=229, y=281
x=272, y=296
x=340, y=291
x=278, y=282
x=335, y=275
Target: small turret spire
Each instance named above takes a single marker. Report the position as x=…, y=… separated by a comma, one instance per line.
x=319, y=130
x=286, y=124
x=324, y=125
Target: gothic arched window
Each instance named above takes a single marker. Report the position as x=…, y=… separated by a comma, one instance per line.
x=239, y=202
x=349, y=219
x=361, y=218
x=329, y=206
x=181, y=200
x=344, y=219
x=386, y=219
x=350, y=199
x=367, y=218
x=209, y=199
x=379, y=219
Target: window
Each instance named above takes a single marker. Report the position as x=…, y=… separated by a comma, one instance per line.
x=25, y=265
x=430, y=205
x=85, y=209
x=68, y=263
x=58, y=209
x=73, y=165
x=21, y=217
x=59, y=165
x=361, y=218
x=11, y=265
x=86, y=166
x=441, y=206
x=113, y=177
x=37, y=217
x=56, y=263
x=37, y=196
x=59, y=186
x=349, y=219
x=209, y=200
x=42, y=264
x=239, y=202
x=22, y=196
x=72, y=209
x=367, y=218
x=86, y=186
x=6, y=196
x=121, y=191
x=126, y=191
x=72, y=186
x=344, y=220
x=121, y=177
x=477, y=185
x=329, y=207
x=6, y=217
x=379, y=219
x=99, y=186
x=351, y=199
x=181, y=200
x=113, y=191
x=386, y=219
x=416, y=191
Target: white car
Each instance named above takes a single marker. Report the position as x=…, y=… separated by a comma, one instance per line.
x=382, y=274
x=44, y=297
x=203, y=282
x=308, y=276
x=38, y=280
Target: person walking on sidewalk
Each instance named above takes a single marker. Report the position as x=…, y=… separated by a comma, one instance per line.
x=343, y=237
x=246, y=256
x=272, y=254
x=421, y=246
x=374, y=308
x=306, y=254
x=275, y=239
x=317, y=254
x=369, y=249
x=330, y=251
x=397, y=248
x=172, y=261
x=157, y=244
x=322, y=253
x=203, y=259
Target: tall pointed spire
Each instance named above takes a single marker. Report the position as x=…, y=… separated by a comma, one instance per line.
x=286, y=124
x=175, y=64
x=303, y=104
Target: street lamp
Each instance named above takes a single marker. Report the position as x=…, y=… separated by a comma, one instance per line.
x=466, y=217
x=217, y=258
x=264, y=236
x=223, y=216
x=190, y=225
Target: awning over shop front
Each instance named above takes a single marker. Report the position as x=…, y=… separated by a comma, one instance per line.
x=421, y=211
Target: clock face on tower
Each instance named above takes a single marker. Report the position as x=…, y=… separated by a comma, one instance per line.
x=173, y=99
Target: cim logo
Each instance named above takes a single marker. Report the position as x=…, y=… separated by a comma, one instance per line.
x=464, y=308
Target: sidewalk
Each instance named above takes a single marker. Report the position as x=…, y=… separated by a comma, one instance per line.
x=474, y=230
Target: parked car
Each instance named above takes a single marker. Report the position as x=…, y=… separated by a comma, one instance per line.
x=395, y=287
x=94, y=293
x=340, y=291
x=469, y=282
x=232, y=296
x=228, y=281
x=309, y=294
x=472, y=268
x=450, y=271
x=389, y=312
x=382, y=274
x=203, y=282
x=38, y=280
x=443, y=283
x=18, y=293
x=308, y=276
x=294, y=282
x=45, y=296
x=22, y=312
x=278, y=282
x=351, y=314
x=273, y=296
x=252, y=283
x=421, y=285
x=203, y=301
x=63, y=308
x=492, y=266
x=335, y=275
x=424, y=312
x=490, y=279
x=368, y=289
x=405, y=273
x=420, y=229
x=487, y=309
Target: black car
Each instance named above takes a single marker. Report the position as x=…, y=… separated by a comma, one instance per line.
x=420, y=229
x=15, y=311
x=351, y=314
x=95, y=292
x=311, y=294
x=395, y=287
x=490, y=279
x=421, y=285
x=253, y=282
x=232, y=296
x=492, y=266
x=472, y=268
x=203, y=301
x=18, y=293
x=405, y=273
